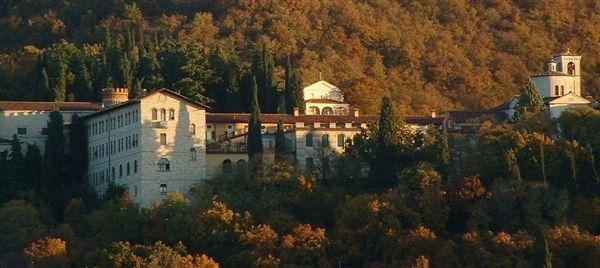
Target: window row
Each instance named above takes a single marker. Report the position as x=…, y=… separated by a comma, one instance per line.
x=114, y=122
x=341, y=140
x=327, y=125
x=113, y=147
x=101, y=177
x=163, y=114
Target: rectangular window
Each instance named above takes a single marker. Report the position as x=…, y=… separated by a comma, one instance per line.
x=310, y=125
x=45, y=131
x=22, y=131
x=135, y=190
x=163, y=138
x=309, y=140
x=341, y=140
x=325, y=125
x=163, y=188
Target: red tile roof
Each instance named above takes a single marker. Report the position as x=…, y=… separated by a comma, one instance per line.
x=290, y=119
x=49, y=106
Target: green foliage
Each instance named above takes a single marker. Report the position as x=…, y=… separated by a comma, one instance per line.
x=254, y=142
x=280, y=150
x=530, y=101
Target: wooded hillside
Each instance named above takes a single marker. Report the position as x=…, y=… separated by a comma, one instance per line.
x=432, y=54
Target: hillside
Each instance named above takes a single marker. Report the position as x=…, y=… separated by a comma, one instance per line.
x=430, y=55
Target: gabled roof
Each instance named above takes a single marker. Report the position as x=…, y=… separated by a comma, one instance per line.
x=320, y=84
x=48, y=106
x=162, y=90
x=566, y=99
x=325, y=101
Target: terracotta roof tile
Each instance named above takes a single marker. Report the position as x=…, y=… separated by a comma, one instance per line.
x=289, y=119
x=49, y=106
x=324, y=101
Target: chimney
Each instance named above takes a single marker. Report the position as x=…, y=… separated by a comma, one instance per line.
x=433, y=113
x=355, y=111
x=296, y=111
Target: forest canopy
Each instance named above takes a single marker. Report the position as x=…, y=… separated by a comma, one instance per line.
x=426, y=55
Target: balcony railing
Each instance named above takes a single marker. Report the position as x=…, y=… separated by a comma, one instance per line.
x=161, y=124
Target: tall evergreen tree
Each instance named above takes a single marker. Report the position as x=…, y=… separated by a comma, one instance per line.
x=280, y=150
x=33, y=162
x=17, y=165
x=54, y=163
x=82, y=84
x=263, y=67
x=445, y=151
x=388, y=147
x=254, y=143
x=530, y=101
x=59, y=86
x=293, y=88
x=78, y=155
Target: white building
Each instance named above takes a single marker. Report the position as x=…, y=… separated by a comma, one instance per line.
x=325, y=99
x=559, y=85
x=152, y=145
x=29, y=120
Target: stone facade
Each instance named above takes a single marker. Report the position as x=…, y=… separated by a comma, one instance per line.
x=152, y=145
x=29, y=120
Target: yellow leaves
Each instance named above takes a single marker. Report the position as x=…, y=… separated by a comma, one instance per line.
x=307, y=183
x=567, y=234
x=423, y=232
x=471, y=188
x=304, y=236
x=519, y=240
x=46, y=248
x=260, y=236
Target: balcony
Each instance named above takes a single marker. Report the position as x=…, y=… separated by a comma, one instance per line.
x=161, y=124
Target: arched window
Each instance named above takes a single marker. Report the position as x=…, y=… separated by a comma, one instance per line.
x=556, y=90
x=226, y=165
x=163, y=164
x=163, y=114
x=154, y=114
x=341, y=140
x=341, y=111
x=309, y=140
x=241, y=162
x=135, y=166
x=193, y=154
x=562, y=90
x=314, y=110
x=193, y=129
x=571, y=68
x=325, y=140
x=128, y=169
x=327, y=111
x=113, y=173
x=171, y=114
x=120, y=171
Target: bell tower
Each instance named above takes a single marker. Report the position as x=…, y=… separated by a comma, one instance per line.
x=569, y=64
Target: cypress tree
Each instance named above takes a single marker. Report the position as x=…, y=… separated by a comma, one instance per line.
x=280, y=150
x=82, y=84
x=263, y=68
x=384, y=168
x=33, y=162
x=59, y=86
x=254, y=143
x=17, y=165
x=78, y=154
x=293, y=88
x=513, y=166
x=530, y=101
x=445, y=150
x=54, y=163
